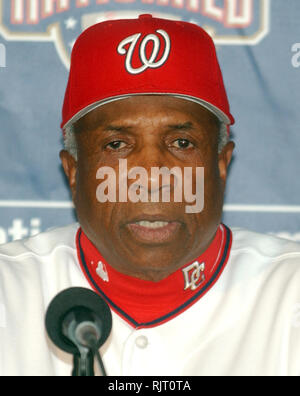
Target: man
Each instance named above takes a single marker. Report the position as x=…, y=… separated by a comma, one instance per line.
x=188, y=295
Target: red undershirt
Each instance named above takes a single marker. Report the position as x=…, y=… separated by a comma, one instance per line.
x=145, y=303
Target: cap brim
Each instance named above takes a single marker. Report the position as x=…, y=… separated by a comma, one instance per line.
x=215, y=110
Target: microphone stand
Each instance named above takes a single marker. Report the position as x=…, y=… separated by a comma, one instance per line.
x=83, y=363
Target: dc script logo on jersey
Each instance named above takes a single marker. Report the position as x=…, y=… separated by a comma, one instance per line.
x=194, y=275
x=229, y=22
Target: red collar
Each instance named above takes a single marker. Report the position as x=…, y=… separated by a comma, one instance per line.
x=145, y=303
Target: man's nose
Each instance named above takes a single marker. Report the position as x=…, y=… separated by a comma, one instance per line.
x=156, y=167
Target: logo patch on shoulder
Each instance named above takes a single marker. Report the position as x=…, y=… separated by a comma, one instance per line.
x=194, y=275
x=102, y=272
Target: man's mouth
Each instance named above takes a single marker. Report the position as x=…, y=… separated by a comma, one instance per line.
x=154, y=231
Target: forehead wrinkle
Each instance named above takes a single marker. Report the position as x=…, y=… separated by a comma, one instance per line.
x=182, y=126
x=117, y=128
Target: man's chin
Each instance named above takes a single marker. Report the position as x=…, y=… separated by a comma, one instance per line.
x=152, y=260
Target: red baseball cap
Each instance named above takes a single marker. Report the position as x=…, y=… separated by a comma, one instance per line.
x=116, y=59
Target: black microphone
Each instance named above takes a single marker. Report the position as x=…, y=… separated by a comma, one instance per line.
x=79, y=322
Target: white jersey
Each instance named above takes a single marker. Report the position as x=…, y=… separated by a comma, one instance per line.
x=248, y=323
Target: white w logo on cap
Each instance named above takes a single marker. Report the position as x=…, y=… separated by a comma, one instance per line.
x=150, y=62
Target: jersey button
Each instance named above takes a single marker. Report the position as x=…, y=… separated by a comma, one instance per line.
x=141, y=342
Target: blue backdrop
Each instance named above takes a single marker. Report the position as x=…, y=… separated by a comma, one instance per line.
x=258, y=43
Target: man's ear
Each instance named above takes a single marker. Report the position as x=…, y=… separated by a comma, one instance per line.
x=70, y=168
x=224, y=160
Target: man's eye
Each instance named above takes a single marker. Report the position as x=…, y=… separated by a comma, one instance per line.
x=116, y=145
x=183, y=143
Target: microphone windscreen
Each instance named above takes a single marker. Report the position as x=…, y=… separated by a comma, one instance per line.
x=70, y=300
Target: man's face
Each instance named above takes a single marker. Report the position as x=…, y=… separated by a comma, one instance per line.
x=148, y=131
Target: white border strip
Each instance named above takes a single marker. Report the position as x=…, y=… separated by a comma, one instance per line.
x=262, y=208
x=227, y=208
x=37, y=204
